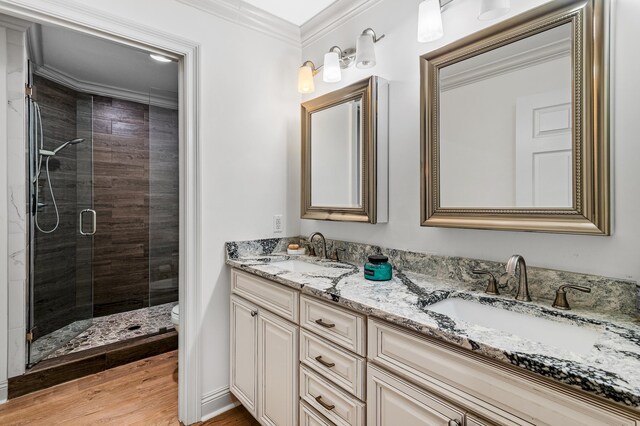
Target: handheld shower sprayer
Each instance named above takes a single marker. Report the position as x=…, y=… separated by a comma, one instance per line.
x=45, y=153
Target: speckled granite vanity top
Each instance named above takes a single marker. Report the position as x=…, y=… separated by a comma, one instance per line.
x=611, y=368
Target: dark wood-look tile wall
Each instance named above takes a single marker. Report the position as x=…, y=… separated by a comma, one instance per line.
x=55, y=301
x=163, y=205
x=121, y=200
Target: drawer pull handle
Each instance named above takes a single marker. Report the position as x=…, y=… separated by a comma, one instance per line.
x=325, y=363
x=324, y=324
x=324, y=404
x=454, y=422
x=254, y=313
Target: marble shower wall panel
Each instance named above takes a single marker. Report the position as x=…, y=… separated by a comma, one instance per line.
x=17, y=200
x=121, y=199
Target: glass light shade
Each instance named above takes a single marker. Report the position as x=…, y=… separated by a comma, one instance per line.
x=365, y=51
x=305, y=80
x=492, y=9
x=331, y=72
x=429, y=21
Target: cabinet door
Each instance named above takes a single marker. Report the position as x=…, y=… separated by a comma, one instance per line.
x=243, y=356
x=392, y=401
x=277, y=370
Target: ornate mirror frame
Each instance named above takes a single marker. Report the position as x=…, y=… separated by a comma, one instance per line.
x=366, y=91
x=590, y=213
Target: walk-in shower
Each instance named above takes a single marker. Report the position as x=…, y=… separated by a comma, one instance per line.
x=103, y=199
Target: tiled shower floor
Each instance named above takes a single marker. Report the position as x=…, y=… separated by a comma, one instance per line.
x=103, y=331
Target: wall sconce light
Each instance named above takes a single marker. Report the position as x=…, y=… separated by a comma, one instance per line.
x=430, y=26
x=305, y=77
x=429, y=21
x=336, y=59
x=492, y=9
x=365, y=49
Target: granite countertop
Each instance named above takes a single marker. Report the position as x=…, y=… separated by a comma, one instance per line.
x=610, y=369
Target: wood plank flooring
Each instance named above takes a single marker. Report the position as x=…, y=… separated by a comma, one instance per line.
x=141, y=393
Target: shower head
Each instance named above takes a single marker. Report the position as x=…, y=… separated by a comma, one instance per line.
x=67, y=143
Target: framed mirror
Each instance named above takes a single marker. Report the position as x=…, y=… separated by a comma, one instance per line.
x=344, y=154
x=515, y=125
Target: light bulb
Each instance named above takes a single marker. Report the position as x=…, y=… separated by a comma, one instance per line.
x=159, y=58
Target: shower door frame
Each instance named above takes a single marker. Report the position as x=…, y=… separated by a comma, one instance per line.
x=78, y=17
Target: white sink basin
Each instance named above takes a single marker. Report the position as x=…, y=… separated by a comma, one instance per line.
x=299, y=266
x=563, y=336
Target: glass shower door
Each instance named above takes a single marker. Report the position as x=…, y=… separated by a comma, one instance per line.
x=62, y=218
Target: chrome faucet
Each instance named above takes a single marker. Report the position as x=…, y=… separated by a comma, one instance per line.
x=523, y=286
x=324, y=243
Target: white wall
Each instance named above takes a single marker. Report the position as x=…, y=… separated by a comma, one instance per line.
x=397, y=57
x=249, y=130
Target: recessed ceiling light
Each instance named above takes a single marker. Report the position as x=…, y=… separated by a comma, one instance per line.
x=159, y=58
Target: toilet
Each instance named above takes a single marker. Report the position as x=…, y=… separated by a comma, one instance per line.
x=175, y=317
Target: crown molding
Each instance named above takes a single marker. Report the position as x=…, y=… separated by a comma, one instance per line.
x=333, y=17
x=17, y=24
x=242, y=13
x=92, y=88
x=538, y=55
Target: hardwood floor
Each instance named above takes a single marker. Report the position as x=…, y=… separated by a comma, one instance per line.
x=141, y=393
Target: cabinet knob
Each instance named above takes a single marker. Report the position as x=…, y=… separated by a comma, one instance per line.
x=454, y=422
x=254, y=313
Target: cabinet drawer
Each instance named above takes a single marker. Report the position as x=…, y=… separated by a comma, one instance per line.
x=333, y=403
x=340, y=326
x=339, y=366
x=496, y=391
x=310, y=417
x=275, y=297
x=393, y=401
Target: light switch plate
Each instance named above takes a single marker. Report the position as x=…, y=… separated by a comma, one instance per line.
x=278, y=224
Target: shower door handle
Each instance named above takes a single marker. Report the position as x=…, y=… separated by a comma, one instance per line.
x=93, y=222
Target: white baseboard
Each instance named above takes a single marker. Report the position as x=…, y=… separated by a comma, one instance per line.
x=217, y=402
x=4, y=391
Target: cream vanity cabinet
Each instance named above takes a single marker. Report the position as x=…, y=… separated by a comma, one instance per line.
x=416, y=380
x=296, y=359
x=264, y=349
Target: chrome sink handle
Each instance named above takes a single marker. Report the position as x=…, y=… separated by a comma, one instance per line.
x=561, y=301
x=492, y=286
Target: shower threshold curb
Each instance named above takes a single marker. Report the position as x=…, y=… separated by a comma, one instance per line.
x=73, y=366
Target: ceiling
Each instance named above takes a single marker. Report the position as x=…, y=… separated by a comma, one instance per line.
x=85, y=61
x=295, y=11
